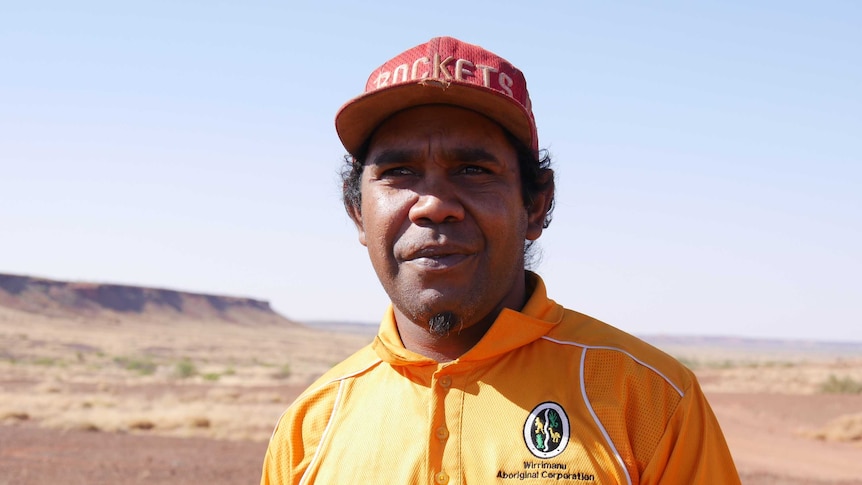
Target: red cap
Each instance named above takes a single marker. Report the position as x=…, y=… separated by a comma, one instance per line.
x=442, y=71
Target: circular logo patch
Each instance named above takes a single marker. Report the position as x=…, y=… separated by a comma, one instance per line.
x=546, y=431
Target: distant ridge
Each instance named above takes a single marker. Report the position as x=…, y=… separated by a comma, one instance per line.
x=70, y=299
x=724, y=347
x=754, y=343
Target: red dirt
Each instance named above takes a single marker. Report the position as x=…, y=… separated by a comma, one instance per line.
x=32, y=455
x=761, y=430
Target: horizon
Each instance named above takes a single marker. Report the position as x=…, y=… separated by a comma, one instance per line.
x=371, y=326
x=708, y=157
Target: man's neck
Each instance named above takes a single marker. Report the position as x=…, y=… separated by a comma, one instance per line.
x=417, y=336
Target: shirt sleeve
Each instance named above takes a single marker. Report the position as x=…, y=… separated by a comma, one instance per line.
x=275, y=471
x=692, y=450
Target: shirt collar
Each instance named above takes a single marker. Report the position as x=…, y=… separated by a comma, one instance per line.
x=511, y=329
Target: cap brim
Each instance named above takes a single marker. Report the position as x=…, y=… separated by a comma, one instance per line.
x=359, y=117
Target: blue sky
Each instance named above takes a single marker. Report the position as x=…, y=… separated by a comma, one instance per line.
x=708, y=154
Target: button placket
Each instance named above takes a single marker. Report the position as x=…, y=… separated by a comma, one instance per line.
x=445, y=382
x=444, y=391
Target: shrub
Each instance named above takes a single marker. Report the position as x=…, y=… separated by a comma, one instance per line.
x=689, y=362
x=283, y=372
x=142, y=424
x=142, y=366
x=186, y=368
x=844, y=385
x=46, y=361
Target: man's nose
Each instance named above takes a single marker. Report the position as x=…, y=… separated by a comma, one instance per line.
x=437, y=202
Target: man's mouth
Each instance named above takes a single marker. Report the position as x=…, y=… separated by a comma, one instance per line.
x=437, y=257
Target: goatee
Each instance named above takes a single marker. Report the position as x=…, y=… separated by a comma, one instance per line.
x=442, y=323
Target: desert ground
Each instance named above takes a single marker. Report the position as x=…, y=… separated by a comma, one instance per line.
x=139, y=399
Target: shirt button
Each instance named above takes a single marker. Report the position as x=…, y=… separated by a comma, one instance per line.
x=446, y=381
x=442, y=433
x=441, y=478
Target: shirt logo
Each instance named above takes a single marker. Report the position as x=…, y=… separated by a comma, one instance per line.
x=546, y=431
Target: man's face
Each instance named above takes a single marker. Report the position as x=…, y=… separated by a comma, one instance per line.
x=442, y=215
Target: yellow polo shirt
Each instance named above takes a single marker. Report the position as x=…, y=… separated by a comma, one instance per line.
x=547, y=396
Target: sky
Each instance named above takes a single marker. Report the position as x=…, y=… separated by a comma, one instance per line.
x=708, y=154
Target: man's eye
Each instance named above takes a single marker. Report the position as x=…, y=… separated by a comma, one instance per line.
x=474, y=170
x=397, y=172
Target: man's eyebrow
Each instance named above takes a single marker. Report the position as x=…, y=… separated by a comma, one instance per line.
x=468, y=155
x=394, y=156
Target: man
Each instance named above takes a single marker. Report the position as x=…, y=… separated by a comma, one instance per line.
x=476, y=376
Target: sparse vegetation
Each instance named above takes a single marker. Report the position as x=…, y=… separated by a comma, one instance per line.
x=283, y=372
x=86, y=426
x=688, y=362
x=142, y=424
x=781, y=364
x=15, y=416
x=696, y=364
x=200, y=422
x=47, y=361
x=847, y=427
x=154, y=373
x=843, y=385
x=185, y=369
x=142, y=366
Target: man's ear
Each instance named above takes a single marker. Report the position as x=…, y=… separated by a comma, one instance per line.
x=540, y=206
x=356, y=215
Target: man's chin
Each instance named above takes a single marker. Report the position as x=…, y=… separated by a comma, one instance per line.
x=442, y=323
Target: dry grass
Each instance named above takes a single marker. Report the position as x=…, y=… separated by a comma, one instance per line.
x=843, y=428
x=802, y=376
x=191, y=378
x=213, y=379
x=232, y=381
x=841, y=385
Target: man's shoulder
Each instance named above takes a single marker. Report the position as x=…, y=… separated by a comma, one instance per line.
x=358, y=363
x=597, y=337
x=320, y=396
x=592, y=332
